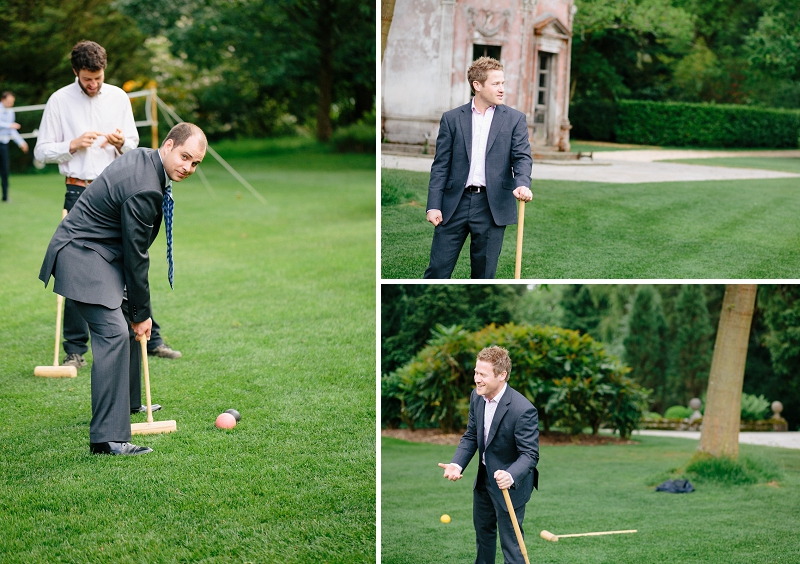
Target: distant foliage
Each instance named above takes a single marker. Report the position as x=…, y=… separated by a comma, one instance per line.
x=705, y=125
x=355, y=138
x=569, y=377
x=677, y=412
x=754, y=408
x=692, y=346
x=646, y=343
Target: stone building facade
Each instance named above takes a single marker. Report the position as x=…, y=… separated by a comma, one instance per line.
x=432, y=43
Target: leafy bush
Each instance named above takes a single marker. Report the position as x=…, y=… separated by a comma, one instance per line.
x=678, y=412
x=569, y=377
x=356, y=138
x=754, y=408
x=705, y=125
x=593, y=119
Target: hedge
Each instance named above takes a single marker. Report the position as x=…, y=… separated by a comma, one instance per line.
x=705, y=125
x=569, y=377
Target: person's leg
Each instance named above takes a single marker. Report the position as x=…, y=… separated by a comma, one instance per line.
x=485, y=521
x=76, y=332
x=486, y=238
x=111, y=418
x=448, y=239
x=5, y=166
x=512, y=553
x=135, y=368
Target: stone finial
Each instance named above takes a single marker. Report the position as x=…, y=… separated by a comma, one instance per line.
x=695, y=404
x=777, y=407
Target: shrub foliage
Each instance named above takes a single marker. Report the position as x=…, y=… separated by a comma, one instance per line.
x=705, y=125
x=569, y=377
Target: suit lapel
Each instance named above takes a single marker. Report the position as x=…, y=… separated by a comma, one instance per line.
x=497, y=122
x=502, y=408
x=466, y=128
x=480, y=411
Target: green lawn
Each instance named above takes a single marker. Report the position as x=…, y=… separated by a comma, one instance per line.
x=274, y=311
x=595, y=488
x=709, y=229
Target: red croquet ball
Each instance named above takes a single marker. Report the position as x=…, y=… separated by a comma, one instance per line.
x=225, y=421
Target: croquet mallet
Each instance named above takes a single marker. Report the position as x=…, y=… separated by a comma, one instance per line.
x=57, y=371
x=513, y=516
x=547, y=535
x=520, y=225
x=151, y=427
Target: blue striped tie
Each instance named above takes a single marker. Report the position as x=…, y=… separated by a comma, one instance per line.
x=167, y=206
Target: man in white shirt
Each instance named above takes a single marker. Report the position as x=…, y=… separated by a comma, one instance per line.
x=481, y=168
x=85, y=126
x=8, y=132
x=503, y=428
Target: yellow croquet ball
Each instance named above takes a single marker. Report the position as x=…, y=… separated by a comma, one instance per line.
x=444, y=518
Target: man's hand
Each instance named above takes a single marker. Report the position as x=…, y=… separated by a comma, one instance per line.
x=15, y=125
x=84, y=141
x=142, y=329
x=523, y=193
x=116, y=139
x=504, y=479
x=435, y=217
x=24, y=147
x=451, y=471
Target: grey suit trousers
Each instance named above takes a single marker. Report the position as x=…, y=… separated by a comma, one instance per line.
x=112, y=352
x=488, y=517
x=474, y=218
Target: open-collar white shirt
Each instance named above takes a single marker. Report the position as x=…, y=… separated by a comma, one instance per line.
x=481, y=123
x=69, y=113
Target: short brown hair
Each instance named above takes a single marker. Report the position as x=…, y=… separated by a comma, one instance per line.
x=88, y=55
x=181, y=133
x=479, y=70
x=497, y=357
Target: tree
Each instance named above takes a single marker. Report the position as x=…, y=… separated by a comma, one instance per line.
x=646, y=344
x=580, y=310
x=691, y=353
x=719, y=435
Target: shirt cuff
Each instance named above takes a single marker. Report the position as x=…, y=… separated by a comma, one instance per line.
x=460, y=469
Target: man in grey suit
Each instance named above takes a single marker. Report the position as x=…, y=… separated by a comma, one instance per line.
x=100, y=251
x=482, y=163
x=503, y=429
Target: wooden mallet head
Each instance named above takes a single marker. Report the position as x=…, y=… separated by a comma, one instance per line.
x=547, y=535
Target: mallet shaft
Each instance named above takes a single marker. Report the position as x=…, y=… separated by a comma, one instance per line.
x=520, y=232
x=596, y=534
x=513, y=517
x=143, y=342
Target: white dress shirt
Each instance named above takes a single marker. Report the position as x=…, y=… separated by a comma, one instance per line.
x=481, y=123
x=8, y=133
x=70, y=113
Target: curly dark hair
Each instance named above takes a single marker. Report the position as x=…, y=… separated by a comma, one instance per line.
x=88, y=55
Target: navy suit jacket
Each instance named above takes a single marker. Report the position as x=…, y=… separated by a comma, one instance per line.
x=508, y=162
x=102, y=245
x=512, y=444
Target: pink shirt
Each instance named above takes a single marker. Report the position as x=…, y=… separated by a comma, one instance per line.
x=481, y=123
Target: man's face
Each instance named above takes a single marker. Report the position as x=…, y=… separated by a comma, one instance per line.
x=487, y=383
x=492, y=90
x=8, y=101
x=181, y=162
x=90, y=81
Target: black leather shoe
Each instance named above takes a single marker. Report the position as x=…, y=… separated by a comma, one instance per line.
x=143, y=409
x=118, y=449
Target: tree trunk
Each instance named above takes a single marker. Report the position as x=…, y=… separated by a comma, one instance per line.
x=387, y=13
x=325, y=43
x=719, y=435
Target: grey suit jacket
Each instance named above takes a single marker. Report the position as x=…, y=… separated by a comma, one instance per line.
x=508, y=162
x=512, y=444
x=102, y=245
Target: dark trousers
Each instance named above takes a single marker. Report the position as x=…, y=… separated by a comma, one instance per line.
x=76, y=332
x=474, y=218
x=5, y=166
x=115, y=354
x=489, y=515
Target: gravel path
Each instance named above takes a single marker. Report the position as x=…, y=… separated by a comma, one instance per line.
x=784, y=440
x=629, y=167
